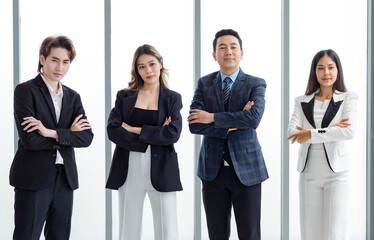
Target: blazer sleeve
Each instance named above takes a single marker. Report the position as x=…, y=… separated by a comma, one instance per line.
x=119, y=135
x=24, y=107
x=168, y=134
x=248, y=119
x=296, y=119
x=76, y=139
x=336, y=133
x=208, y=130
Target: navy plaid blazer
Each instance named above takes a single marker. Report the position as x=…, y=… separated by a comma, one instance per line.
x=245, y=150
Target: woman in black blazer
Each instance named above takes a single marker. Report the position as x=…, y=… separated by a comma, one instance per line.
x=144, y=125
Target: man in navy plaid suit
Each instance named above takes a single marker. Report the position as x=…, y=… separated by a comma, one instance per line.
x=226, y=109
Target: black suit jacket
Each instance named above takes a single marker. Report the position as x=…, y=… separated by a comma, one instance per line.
x=164, y=164
x=36, y=155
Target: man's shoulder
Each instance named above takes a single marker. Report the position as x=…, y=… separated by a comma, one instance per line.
x=210, y=76
x=69, y=90
x=252, y=78
x=29, y=84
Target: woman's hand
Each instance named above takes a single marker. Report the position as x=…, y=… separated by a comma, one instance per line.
x=343, y=123
x=167, y=121
x=301, y=137
x=131, y=129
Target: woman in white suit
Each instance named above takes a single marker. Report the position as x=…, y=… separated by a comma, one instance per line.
x=323, y=121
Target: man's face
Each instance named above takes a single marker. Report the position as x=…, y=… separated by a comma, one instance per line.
x=228, y=54
x=56, y=65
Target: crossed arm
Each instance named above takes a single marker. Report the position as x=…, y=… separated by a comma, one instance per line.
x=342, y=130
x=305, y=134
x=204, y=117
x=32, y=124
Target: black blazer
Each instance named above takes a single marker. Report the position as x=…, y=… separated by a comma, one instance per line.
x=36, y=155
x=164, y=164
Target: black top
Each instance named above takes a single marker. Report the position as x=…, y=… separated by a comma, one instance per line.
x=140, y=117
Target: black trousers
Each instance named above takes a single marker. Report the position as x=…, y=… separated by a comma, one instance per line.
x=52, y=205
x=225, y=192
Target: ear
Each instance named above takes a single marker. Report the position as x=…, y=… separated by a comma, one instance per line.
x=161, y=63
x=41, y=59
x=241, y=55
x=214, y=56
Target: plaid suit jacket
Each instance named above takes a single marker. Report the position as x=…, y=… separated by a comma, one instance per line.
x=245, y=150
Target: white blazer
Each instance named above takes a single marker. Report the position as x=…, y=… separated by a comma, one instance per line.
x=334, y=138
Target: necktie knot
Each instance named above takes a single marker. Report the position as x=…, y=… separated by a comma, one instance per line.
x=227, y=80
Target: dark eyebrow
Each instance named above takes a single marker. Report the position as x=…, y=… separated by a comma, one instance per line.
x=327, y=64
x=56, y=58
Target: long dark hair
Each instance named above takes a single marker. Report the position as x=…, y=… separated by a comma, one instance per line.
x=313, y=84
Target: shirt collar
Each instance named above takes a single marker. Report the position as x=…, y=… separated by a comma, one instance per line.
x=50, y=89
x=232, y=76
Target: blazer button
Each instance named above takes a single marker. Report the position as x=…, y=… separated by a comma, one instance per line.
x=155, y=155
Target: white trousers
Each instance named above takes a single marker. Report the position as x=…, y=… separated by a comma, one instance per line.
x=131, y=200
x=324, y=198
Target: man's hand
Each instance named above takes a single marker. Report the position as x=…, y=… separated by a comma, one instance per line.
x=33, y=124
x=302, y=136
x=200, y=116
x=80, y=124
x=248, y=105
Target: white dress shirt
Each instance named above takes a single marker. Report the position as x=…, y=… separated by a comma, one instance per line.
x=57, y=103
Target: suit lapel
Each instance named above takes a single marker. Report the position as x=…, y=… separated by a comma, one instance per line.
x=129, y=106
x=163, y=105
x=308, y=109
x=236, y=87
x=64, y=107
x=43, y=88
x=217, y=84
x=330, y=113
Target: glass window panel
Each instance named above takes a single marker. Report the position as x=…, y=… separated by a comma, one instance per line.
x=341, y=26
x=167, y=25
x=258, y=24
x=6, y=120
x=43, y=18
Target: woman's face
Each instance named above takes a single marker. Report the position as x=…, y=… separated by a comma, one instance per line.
x=326, y=72
x=149, y=68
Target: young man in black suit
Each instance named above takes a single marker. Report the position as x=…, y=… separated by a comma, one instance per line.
x=51, y=122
